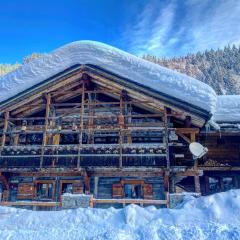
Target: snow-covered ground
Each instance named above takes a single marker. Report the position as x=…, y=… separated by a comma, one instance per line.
x=214, y=217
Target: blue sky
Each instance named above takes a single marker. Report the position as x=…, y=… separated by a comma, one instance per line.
x=160, y=27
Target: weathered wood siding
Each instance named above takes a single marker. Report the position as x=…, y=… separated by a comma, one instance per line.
x=104, y=188
x=225, y=150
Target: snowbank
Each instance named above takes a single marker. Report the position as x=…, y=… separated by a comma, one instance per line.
x=228, y=109
x=213, y=217
x=114, y=60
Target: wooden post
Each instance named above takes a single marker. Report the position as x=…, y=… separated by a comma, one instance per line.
x=166, y=137
x=96, y=179
x=196, y=177
x=129, y=121
x=45, y=137
x=87, y=183
x=120, y=148
x=5, y=127
x=221, y=184
x=166, y=186
x=55, y=137
x=121, y=126
x=207, y=184
x=91, y=203
x=91, y=108
x=16, y=139
x=81, y=125
x=6, y=116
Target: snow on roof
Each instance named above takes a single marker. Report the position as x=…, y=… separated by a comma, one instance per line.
x=227, y=109
x=119, y=62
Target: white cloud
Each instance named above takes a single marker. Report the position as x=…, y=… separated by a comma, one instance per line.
x=203, y=24
x=215, y=26
x=152, y=28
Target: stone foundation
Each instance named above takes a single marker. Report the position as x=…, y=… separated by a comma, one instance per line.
x=70, y=201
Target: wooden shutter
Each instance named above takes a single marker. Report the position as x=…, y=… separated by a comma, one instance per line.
x=25, y=191
x=56, y=139
x=5, y=196
x=147, y=191
x=121, y=120
x=117, y=190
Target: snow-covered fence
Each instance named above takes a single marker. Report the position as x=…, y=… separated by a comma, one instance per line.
x=84, y=201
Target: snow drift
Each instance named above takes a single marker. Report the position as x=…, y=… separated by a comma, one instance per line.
x=142, y=72
x=212, y=217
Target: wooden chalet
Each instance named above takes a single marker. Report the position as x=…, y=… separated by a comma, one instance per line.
x=87, y=130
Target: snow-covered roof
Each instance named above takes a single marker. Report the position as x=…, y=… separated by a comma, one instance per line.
x=142, y=72
x=227, y=109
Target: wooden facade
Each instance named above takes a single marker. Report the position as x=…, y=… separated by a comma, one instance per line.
x=87, y=130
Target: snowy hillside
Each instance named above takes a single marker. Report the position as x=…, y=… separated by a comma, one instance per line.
x=213, y=217
x=219, y=68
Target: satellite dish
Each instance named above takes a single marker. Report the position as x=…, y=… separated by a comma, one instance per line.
x=197, y=150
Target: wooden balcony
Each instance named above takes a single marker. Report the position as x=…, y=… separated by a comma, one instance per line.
x=89, y=155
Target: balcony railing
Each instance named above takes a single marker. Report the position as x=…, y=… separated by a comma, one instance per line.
x=89, y=155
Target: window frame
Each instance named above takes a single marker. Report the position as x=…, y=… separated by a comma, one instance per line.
x=48, y=182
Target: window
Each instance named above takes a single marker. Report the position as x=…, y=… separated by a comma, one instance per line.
x=214, y=185
x=67, y=188
x=45, y=189
x=133, y=191
x=227, y=183
x=70, y=186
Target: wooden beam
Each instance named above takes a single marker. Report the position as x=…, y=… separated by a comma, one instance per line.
x=48, y=86
x=92, y=171
x=186, y=139
x=121, y=122
x=81, y=125
x=166, y=181
x=196, y=177
x=166, y=122
x=44, y=141
x=197, y=184
x=135, y=94
x=166, y=186
x=33, y=203
x=223, y=168
x=87, y=183
x=130, y=201
x=96, y=179
x=125, y=172
x=4, y=181
x=206, y=181
x=189, y=173
x=5, y=127
x=188, y=130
